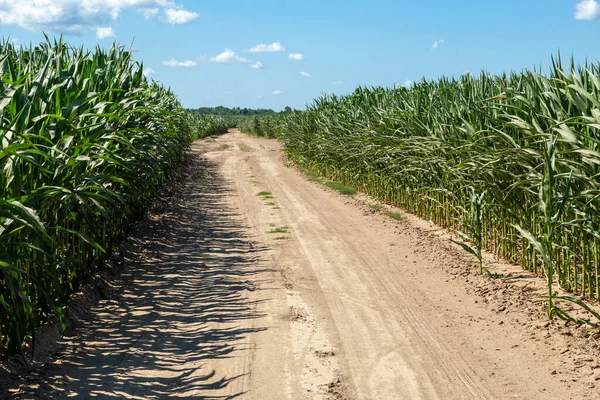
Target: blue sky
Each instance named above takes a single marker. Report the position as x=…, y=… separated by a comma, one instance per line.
x=202, y=49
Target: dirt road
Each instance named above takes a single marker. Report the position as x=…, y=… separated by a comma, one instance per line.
x=256, y=283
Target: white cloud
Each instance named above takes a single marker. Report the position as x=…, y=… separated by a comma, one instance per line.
x=104, y=33
x=337, y=83
x=148, y=72
x=149, y=12
x=228, y=56
x=267, y=48
x=174, y=63
x=177, y=17
x=587, y=10
x=437, y=43
x=277, y=92
x=296, y=56
x=407, y=83
x=305, y=74
x=75, y=16
x=257, y=65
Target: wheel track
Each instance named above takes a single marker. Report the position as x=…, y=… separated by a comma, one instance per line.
x=398, y=343
x=457, y=373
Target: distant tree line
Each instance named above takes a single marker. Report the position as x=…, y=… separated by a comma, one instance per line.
x=226, y=111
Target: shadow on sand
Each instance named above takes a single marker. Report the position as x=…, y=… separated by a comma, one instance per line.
x=184, y=301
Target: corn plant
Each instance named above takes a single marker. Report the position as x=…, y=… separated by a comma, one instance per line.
x=551, y=209
x=473, y=224
x=86, y=142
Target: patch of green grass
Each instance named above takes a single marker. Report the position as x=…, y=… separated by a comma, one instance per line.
x=343, y=189
x=265, y=195
x=394, y=215
x=244, y=147
x=270, y=203
x=283, y=229
x=200, y=174
x=376, y=207
x=313, y=176
x=496, y=275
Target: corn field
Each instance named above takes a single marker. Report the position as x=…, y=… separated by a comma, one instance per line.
x=509, y=162
x=86, y=143
x=262, y=125
x=209, y=125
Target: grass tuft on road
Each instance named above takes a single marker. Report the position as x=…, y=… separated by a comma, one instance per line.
x=265, y=195
x=283, y=229
x=394, y=215
x=343, y=189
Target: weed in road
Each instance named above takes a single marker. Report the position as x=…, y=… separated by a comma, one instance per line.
x=394, y=215
x=314, y=177
x=265, y=195
x=244, y=147
x=496, y=275
x=376, y=207
x=343, y=189
x=283, y=229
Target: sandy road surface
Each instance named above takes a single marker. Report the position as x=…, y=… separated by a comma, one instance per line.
x=301, y=293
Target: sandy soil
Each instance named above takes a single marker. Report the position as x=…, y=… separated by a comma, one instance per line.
x=302, y=293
